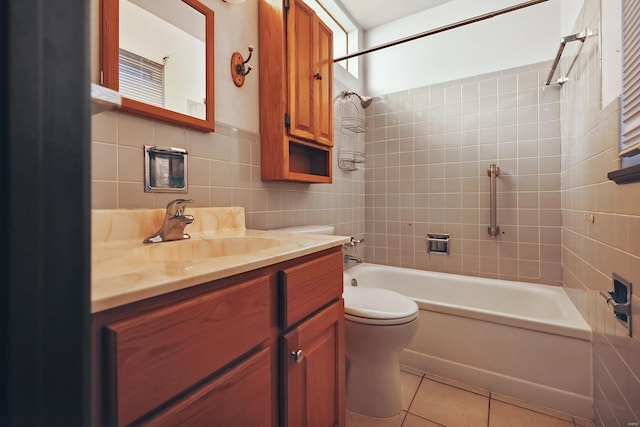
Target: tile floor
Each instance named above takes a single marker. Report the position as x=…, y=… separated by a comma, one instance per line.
x=429, y=400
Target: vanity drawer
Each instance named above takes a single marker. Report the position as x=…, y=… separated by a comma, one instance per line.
x=156, y=355
x=240, y=397
x=308, y=286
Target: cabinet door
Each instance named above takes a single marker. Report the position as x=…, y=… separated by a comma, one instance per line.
x=240, y=397
x=154, y=356
x=302, y=69
x=312, y=367
x=324, y=84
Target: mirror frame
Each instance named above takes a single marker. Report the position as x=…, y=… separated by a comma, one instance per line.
x=109, y=67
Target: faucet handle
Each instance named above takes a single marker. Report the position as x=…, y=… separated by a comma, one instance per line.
x=352, y=242
x=176, y=207
x=355, y=241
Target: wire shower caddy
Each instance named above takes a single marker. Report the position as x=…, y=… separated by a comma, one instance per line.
x=351, y=142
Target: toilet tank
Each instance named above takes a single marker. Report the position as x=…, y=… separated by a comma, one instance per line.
x=308, y=229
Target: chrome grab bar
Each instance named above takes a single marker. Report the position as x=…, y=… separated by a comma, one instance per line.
x=581, y=36
x=493, y=172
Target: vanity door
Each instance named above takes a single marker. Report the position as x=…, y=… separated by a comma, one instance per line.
x=312, y=366
x=240, y=397
x=155, y=357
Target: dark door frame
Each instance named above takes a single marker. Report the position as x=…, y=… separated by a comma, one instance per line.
x=44, y=213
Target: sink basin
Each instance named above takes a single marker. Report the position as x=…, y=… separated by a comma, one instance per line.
x=184, y=250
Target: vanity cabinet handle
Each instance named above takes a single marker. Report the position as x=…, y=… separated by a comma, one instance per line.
x=317, y=76
x=297, y=356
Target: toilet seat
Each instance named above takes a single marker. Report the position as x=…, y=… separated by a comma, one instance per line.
x=376, y=306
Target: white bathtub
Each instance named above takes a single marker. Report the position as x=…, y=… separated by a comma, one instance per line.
x=522, y=340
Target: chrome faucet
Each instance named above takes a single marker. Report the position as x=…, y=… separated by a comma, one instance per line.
x=351, y=244
x=174, y=223
x=352, y=258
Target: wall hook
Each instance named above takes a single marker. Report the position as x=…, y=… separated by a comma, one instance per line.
x=239, y=67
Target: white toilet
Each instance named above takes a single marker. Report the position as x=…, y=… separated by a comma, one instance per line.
x=379, y=324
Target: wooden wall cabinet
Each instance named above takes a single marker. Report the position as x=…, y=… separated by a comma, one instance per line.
x=296, y=93
x=219, y=354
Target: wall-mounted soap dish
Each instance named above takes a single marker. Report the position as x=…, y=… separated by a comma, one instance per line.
x=438, y=243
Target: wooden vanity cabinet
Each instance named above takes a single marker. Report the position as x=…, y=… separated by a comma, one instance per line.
x=296, y=93
x=218, y=354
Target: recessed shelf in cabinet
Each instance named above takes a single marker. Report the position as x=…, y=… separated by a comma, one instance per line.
x=309, y=160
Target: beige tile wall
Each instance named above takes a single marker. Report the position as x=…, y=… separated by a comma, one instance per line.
x=224, y=170
x=592, y=251
x=428, y=151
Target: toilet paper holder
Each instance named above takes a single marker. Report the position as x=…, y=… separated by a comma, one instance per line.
x=620, y=300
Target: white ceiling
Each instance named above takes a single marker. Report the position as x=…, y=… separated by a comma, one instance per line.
x=372, y=13
x=178, y=14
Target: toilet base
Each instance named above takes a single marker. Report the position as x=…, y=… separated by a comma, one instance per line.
x=374, y=388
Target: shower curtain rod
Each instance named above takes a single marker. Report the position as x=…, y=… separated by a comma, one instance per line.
x=442, y=29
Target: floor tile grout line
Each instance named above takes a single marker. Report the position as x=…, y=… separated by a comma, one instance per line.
x=491, y=398
x=414, y=395
x=543, y=410
x=422, y=418
x=445, y=382
x=404, y=418
x=489, y=395
x=489, y=409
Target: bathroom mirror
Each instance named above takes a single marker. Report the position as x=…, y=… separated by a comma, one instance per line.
x=159, y=56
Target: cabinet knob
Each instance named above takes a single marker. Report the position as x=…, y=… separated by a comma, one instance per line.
x=297, y=356
x=317, y=76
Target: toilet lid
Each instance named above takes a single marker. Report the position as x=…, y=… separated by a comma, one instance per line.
x=378, y=306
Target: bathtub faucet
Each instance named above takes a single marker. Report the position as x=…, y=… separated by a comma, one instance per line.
x=351, y=244
x=174, y=223
x=352, y=258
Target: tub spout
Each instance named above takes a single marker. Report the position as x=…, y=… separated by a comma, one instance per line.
x=352, y=258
